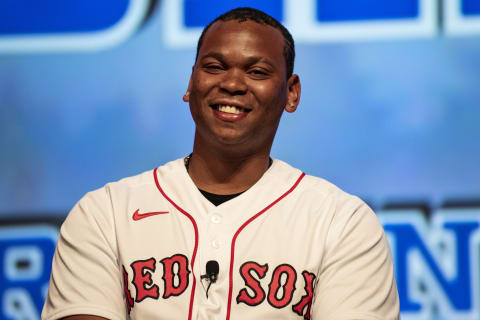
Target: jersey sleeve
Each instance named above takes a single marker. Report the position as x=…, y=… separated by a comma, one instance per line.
x=86, y=277
x=356, y=280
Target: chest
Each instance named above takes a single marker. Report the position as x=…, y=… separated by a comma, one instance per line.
x=268, y=262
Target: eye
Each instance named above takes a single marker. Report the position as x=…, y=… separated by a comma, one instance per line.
x=258, y=73
x=213, y=68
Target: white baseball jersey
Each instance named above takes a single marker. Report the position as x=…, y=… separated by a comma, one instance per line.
x=292, y=246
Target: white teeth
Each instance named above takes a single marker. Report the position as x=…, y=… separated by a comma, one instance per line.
x=229, y=109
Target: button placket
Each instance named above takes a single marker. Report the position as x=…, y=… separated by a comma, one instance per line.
x=215, y=218
x=215, y=244
x=215, y=230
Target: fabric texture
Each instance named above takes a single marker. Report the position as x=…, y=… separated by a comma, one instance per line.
x=292, y=246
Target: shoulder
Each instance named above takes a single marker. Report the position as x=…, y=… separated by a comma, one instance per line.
x=318, y=191
x=330, y=207
x=137, y=184
x=328, y=192
x=115, y=199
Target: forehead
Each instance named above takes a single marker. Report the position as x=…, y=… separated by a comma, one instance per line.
x=245, y=38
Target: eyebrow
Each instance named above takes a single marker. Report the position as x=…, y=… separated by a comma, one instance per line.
x=249, y=61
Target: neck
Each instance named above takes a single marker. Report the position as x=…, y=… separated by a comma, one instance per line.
x=221, y=173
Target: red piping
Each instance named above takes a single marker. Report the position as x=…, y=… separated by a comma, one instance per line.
x=192, y=262
x=230, y=289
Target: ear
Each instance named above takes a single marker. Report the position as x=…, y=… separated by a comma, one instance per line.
x=186, y=96
x=294, y=89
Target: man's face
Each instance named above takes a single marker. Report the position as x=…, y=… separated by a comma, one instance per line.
x=238, y=88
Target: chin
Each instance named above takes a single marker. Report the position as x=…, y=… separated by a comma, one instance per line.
x=231, y=140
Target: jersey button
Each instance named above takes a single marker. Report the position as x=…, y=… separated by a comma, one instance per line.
x=215, y=219
x=215, y=244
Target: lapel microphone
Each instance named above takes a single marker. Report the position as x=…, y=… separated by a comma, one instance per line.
x=211, y=275
x=212, y=270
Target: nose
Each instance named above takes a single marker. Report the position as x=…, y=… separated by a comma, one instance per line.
x=233, y=82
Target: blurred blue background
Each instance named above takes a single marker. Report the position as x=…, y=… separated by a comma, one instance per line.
x=389, y=108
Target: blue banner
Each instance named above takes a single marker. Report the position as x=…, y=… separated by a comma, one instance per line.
x=198, y=13
x=26, y=257
x=470, y=7
x=19, y=17
x=348, y=10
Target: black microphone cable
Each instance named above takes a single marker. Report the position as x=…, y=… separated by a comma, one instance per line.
x=212, y=270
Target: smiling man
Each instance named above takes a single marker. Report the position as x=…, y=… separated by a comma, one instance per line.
x=227, y=232
x=240, y=85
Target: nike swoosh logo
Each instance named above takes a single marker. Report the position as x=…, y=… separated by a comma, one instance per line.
x=137, y=215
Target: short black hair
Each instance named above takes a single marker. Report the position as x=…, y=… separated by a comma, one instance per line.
x=243, y=14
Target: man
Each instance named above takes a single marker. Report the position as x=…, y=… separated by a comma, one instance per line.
x=227, y=232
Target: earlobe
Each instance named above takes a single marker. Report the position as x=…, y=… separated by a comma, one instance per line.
x=186, y=96
x=294, y=92
x=291, y=107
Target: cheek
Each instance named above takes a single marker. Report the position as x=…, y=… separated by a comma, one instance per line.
x=202, y=85
x=272, y=95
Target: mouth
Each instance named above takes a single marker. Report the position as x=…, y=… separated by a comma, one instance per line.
x=225, y=108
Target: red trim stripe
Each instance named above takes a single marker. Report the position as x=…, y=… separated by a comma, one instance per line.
x=230, y=289
x=194, y=254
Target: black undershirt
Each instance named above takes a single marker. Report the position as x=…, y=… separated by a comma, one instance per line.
x=217, y=199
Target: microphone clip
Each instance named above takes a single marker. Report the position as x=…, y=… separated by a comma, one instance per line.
x=212, y=270
x=212, y=277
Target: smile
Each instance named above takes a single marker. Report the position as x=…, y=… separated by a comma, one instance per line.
x=229, y=108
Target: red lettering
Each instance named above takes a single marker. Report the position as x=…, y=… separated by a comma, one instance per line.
x=288, y=287
x=306, y=301
x=142, y=277
x=169, y=275
x=258, y=293
x=128, y=297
